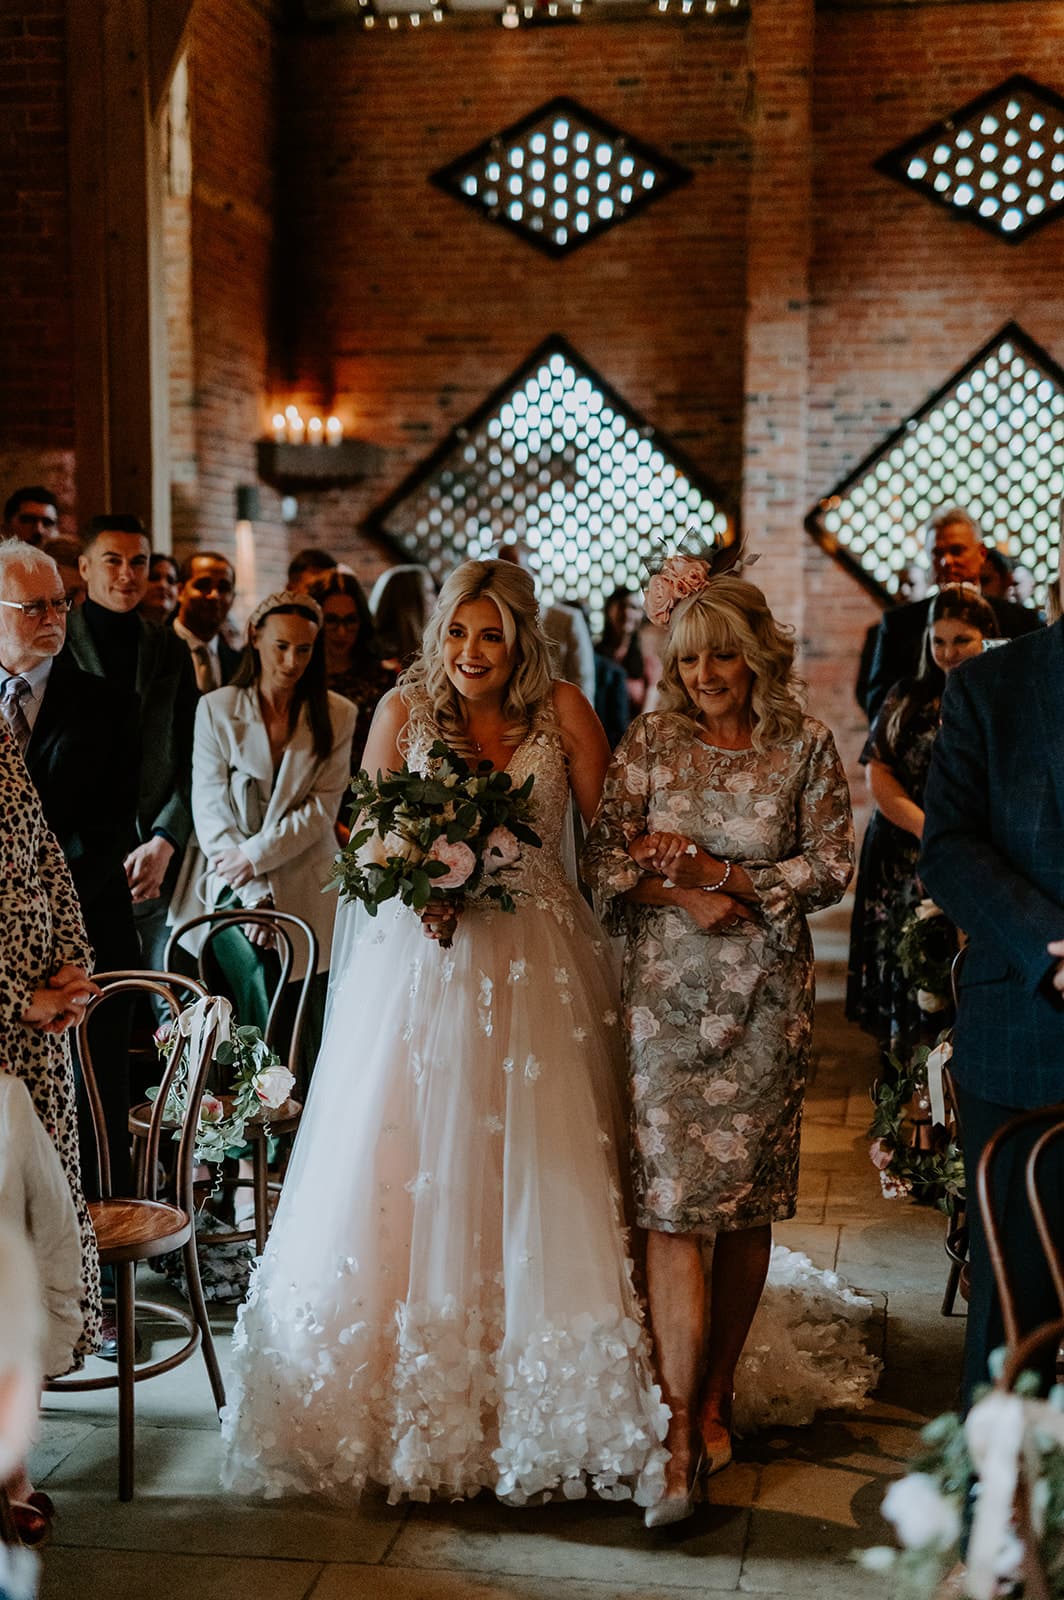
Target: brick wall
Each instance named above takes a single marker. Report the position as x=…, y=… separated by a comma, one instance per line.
x=36, y=379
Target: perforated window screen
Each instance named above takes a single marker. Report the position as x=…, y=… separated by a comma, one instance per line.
x=990, y=441
x=555, y=458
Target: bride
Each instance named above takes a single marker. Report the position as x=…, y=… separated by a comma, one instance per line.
x=445, y=1303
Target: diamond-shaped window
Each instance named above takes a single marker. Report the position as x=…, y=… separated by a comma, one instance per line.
x=991, y=441
x=998, y=161
x=560, y=176
x=556, y=459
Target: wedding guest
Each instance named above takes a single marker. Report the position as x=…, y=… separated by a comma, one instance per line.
x=270, y=763
x=995, y=581
x=31, y=514
x=912, y=585
x=897, y=758
x=66, y=553
x=204, y=601
x=725, y=818
x=401, y=603
x=353, y=666
x=160, y=597
x=307, y=566
x=1022, y=589
x=566, y=628
x=620, y=642
x=994, y=820
x=957, y=556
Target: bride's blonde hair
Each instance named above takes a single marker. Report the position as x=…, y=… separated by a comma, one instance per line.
x=433, y=703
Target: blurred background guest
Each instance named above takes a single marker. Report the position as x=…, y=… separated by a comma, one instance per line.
x=204, y=601
x=897, y=757
x=912, y=585
x=996, y=578
x=21, y=1369
x=271, y=761
x=66, y=553
x=31, y=514
x=402, y=601
x=353, y=666
x=572, y=653
x=160, y=597
x=620, y=642
x=307, y=566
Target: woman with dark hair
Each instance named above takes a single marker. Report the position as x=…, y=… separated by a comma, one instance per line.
x=164, y=584
x=269, y=765
x=620, y=643
x=353, y=666
x=898, y=757
x=402, y=602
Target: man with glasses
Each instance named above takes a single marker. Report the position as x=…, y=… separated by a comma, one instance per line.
x=32, y=515
x=208, y=588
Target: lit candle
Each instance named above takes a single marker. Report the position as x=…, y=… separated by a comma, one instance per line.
x=279, y=425
x=315, y=430
x=334, y=430
x=296, y=428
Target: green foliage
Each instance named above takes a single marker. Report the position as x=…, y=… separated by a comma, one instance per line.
x=926, y=947
x=243, y=1059
x=931, y=1177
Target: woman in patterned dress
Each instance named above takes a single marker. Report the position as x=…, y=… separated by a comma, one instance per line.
x=44, y=958
x=725, y=818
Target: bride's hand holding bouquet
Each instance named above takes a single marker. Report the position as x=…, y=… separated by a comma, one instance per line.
x=435, y=840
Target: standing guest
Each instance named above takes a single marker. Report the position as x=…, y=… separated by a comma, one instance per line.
x=31, y=514
x=1022, y=588
x=353, y=667
x=912, y=585
x=725, y=818
x=160, y=597
x=307, y=566
x=996, y=578
x=572, y=652
x=994, y=820
x=204, y=601
x=80, y=740
x=44, y=984
x=957, y=556
x=620, y=642
x=66, y=553
x=897, y=757
x=271, y=762
x=402, y=601
x=108, y=638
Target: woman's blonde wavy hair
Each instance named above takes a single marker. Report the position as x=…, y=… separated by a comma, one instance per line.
x=731, y=614
x=433, y=703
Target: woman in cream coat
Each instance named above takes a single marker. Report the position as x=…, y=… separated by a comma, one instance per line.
x=269, y=768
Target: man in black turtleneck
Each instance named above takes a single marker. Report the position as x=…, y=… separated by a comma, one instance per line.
x=107, y=637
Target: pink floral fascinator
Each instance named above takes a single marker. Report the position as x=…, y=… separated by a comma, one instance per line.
x=681, y=576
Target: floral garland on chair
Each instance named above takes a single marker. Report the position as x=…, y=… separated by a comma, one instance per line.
x=913, y=1147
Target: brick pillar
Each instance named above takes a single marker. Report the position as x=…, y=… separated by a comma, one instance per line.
x=777, y=293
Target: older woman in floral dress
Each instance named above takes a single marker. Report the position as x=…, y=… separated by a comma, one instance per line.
x=725, y=818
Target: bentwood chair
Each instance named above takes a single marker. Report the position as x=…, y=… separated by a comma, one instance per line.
x=1016, y=1132
x=1027, y=1354
x=263, y=1125
x=141, y=1227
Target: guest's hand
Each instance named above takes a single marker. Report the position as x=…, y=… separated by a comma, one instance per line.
x=257, y=933
x=652, y=851
x=146, y=868
x=68, y=974
x=53, y=1010
x=715, y=913
x=1057, y=949
x=234, y=866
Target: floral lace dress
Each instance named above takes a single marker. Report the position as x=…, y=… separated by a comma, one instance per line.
x=719, y=1024
x=445, y=1303
x=41, y=930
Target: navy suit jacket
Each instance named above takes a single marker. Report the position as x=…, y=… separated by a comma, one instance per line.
x=993, y=859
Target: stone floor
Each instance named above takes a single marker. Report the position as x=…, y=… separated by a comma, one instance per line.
x=784, y=1519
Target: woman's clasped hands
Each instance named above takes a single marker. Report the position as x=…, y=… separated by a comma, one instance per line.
x=61, y=1002
x=685, y=867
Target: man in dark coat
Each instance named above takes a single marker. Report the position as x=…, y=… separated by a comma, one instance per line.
x=957, y=556
x=993, y=859
x=204, y=601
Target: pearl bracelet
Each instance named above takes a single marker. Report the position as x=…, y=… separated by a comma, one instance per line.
x=711, y=888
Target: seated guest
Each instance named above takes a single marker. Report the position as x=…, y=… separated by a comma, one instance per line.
x=80, y=739
x=66, y=553
x=402, y=601
x=307, y=566
x=957, y=556
x=160, y=597
x=205, y=599
x=108, y=638
x=271, y=762
x=353, y=667
x=31, y=514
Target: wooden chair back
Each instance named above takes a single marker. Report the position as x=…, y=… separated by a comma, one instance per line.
x=1036, y=1171
x=282, y=924
x=1046, y=1117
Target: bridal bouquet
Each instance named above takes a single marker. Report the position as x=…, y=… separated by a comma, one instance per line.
x=455, y=833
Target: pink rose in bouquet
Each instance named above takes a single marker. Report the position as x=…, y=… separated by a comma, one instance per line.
x=457, y=858
x=881, y=1154
x=501, y=849
x=211, y=1109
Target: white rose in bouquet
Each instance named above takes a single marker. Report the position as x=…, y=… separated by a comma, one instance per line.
x=273, y=1085
x=397, y=844
x=501, y=849
x=930, y=1002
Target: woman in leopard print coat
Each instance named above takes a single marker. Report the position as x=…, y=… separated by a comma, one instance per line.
x=41, y=932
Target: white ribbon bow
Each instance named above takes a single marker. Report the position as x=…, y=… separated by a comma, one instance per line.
x=937, y=1061
x=999, y=1429
x=211, y=1011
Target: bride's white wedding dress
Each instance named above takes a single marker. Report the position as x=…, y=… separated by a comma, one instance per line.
x=445, y=1302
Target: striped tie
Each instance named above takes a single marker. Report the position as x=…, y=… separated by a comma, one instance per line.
x=14, y=692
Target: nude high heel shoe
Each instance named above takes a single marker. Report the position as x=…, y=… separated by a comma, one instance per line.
x=680, y=1496
x=715, y=1428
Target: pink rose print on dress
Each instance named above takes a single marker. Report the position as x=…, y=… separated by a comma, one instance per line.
x=457, y=858
x=718, y=1032
x=719, y=1091
x=643, y=1024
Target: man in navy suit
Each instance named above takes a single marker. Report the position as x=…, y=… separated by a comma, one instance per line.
x=204, y=601
x=993, y=859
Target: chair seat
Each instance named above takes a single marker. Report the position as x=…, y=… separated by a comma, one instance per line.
x=284, y=1120
x=137, y=1230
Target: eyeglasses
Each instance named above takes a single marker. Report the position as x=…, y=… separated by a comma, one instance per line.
x=36, y=609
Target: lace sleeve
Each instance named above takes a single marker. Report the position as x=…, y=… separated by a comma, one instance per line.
x=620, y=818
x=817, y=873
